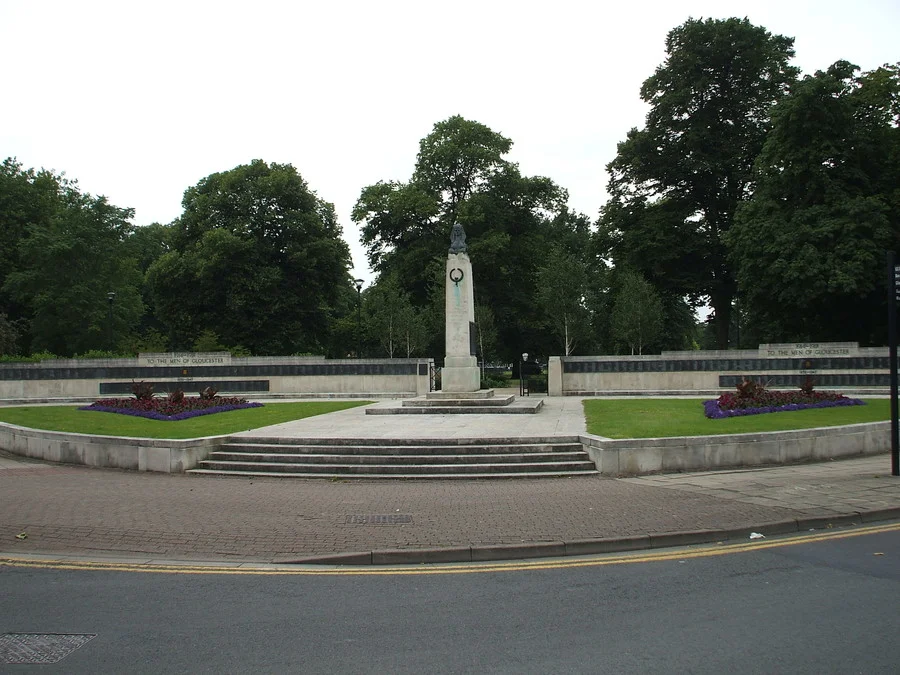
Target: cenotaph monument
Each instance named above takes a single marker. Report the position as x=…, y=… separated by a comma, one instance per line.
x=460, y=373
x=460, y=391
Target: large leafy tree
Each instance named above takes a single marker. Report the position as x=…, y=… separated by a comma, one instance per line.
x=809, y=246
x=257, y=258
x=675, y=184
x=28, y=200
x=462, y=175
x=68, y=254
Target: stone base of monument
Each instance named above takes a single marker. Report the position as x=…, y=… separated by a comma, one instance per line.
x=481, y=402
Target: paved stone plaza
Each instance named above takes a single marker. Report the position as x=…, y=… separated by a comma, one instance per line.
x=146, y=516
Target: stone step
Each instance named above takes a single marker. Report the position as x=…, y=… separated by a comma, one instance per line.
x=400, y=459
x=458, y=450
x=416, y=476
x=458, y=402
x=518, y=408
x=388, y=469
x=402, y=441
x=358, y=458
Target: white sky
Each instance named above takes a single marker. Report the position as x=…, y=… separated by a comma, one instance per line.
x=139, y=101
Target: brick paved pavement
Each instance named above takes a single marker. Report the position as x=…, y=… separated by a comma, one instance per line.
x=99, y=512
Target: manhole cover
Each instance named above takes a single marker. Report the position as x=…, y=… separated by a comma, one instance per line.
x=40, y=647
x=386, y=519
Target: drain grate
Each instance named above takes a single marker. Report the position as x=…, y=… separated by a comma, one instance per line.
x=386, y=519
x=40, y=647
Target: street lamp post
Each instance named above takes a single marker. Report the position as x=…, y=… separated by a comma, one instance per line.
x=358, y=283
x=111, y=296
x=523, y=385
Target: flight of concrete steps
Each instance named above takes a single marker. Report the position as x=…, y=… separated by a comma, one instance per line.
x=399, y=458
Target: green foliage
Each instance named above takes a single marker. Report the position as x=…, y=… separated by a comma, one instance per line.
x=562, y=287
x=149, y=341
x=10, y=332
x=208, y=341
x=257, y=258
x=485, y=332
x=809, y=246
x=637, y=316
x=393, y=323
x=67, y=253
x=102, y=354
x=461, y=175
x=495, y=380
x=675, y=185
x=31, y=358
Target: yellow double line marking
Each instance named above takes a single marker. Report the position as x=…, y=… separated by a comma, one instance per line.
x=461, y=568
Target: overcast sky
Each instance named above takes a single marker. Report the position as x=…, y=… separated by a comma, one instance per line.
x=139, y=101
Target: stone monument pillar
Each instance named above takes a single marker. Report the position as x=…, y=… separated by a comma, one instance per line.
x=460, y=373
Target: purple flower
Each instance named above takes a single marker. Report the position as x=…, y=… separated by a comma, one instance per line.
x=713, y=409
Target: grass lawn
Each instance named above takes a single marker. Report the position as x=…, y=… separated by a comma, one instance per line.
x=69, y=418
x=658, y=418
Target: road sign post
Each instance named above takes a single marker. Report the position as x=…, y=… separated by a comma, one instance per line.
x=893, y=290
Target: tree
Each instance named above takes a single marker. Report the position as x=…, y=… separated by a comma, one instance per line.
x=9, y=336
x=637, y=316
x=392, y=320
x=675, y=184
x=562, y=287
x=461, y=175
x=69, y=255
x=809, y=246
x=486, y=333
x=262, y=257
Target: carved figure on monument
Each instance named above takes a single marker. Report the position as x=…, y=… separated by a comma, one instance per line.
x=457, y=239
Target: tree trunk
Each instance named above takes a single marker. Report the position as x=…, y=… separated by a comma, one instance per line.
x=722, y=308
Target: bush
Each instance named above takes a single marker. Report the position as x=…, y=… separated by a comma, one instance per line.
x=495, y=380
x=209, y=394
x=143, y=391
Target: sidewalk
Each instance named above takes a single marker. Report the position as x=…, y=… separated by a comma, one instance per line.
x=65, y=509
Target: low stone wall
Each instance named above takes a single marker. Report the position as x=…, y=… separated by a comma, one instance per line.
x=137, y=454
x=632, y=457
x=274, y=376
x=841, y=365
x=627, y=457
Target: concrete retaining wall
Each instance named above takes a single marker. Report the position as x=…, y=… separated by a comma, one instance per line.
x=137, y=454
x=628, y=457
x=842, y=365
x=276, y=376
x=632, y=457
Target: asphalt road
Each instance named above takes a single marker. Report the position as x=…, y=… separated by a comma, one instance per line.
x=824, y=607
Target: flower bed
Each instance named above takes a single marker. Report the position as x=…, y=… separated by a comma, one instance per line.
x=764, y=401
x=170, y=408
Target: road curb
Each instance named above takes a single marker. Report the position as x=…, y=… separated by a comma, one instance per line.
x=560, y=549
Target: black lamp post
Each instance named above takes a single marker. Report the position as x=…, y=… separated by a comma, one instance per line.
x=111, y=296
x=523, y=385
x=358, y=283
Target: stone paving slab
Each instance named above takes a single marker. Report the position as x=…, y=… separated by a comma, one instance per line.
x=560, y=416
x=91, y=512
x=839, y=486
